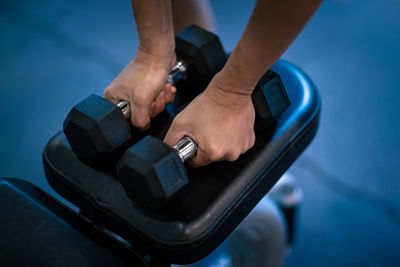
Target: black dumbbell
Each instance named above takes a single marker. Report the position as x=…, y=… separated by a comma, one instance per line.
x=151, y=172
x=270, y=99
x=97, y=129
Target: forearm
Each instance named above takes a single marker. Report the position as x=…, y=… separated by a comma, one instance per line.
x=155, y=28
x=188, y=12
x=271, y=29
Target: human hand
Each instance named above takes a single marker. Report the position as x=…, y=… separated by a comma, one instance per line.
x=142, y=83
x=219, y=121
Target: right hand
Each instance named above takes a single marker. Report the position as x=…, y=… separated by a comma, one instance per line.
x=219, y=120
x=142, y=83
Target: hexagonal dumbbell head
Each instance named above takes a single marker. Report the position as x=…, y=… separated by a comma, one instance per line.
x=151, y=172
x=270, y=100
x=202, y=51
x=96, y=129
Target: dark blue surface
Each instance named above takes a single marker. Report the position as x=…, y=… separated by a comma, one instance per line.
x=55, y=53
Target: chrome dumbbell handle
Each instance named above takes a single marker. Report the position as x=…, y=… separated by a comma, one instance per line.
x=124, y=106
x=177, y=73
x=186, y=148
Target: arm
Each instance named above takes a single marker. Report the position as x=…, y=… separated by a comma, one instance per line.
x=271, y=29
x=188, y=12
x=142, y=82
x=221, y=119
x=155, y=28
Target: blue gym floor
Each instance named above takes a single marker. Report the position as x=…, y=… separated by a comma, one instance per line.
x=54, y=53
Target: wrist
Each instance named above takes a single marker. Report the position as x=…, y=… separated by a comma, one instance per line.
x=155, y=61
x=224, y=92
x=238, y=74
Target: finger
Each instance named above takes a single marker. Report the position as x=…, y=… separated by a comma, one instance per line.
x=231, y=156
x=173, y=89
x=140, y=117
x=166, y=96
x=158, y=105
x=115, y=96
x=109, y=95
x=168, y=93
x=201, y=159
x=173, y=136
x=170, y=96
x=250, y=143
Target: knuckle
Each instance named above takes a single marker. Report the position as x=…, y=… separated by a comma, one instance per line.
x=107, y=93
x=215, y=152
x=246, y=148
x=141, y=122
x=116, y=92
x=214, y=156
x=119, y=87
x=233, y=155
x=252, y=140
x=194, y=163
x=179, y=123
x=140, y=100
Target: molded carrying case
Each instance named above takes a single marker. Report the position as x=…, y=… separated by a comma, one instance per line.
x=218, y=196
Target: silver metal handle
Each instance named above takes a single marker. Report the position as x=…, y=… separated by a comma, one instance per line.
x=176, y=74
x=186, y=148
x=126, y=110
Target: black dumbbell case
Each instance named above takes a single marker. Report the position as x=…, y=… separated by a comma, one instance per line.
x=217, y=198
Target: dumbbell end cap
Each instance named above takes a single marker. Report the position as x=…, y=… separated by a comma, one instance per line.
x=151, y=173
x=270, y=100
x=95, y=129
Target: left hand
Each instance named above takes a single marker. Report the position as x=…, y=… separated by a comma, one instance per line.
x=142, y=84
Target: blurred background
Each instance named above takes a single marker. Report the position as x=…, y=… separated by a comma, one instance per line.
x=55, y=53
